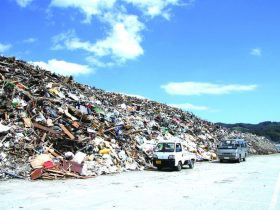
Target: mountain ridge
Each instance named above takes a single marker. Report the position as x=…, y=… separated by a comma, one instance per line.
x=269, y=129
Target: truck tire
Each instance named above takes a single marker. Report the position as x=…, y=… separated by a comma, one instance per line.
x=179, y=166
x=191, y=164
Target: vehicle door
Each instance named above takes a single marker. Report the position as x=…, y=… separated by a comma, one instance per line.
x=179, y=151
x=241, y=149
x=246, y=148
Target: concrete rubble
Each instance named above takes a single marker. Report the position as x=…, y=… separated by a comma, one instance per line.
x=53, y=127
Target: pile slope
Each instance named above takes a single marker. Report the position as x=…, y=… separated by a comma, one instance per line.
x=45, y=113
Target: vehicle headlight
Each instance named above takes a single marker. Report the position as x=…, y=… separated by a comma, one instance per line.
x=171, y=157
x=155, y=156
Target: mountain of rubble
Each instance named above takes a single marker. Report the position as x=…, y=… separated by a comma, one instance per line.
x=53, y=127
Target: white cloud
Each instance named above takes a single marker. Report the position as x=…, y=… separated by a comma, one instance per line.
x=60, y=41
x=197, y=88
x=121, y=44
x=88, y=7
x=4, y=47
x=124, y=27
x=256, y=52
x=124, y=40
x=188, y=106
x=69, y=40
x=23, y=3
x=100, y=64
x=63, y=67
x=154, y=8
x=30, y=40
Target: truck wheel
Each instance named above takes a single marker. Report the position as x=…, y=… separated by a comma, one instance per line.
x=179, y=166
x=191, y=164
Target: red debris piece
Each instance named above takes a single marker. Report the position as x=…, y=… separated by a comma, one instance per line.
x=36, y=174
x=48, y=164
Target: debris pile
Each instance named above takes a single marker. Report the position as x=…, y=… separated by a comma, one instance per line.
x=52, y=127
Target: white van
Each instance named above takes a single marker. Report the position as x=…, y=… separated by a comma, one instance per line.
x=233, y=149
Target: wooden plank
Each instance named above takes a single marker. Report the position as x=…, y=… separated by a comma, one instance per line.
x=37, y=125
x=64, y=173
x=52, y=152
x=36, y=174
x=44, y=137
x=135, y=132
x=109, y=129
x=27, y=122
x=75, y=124
x=6, y=116
x=70, y=135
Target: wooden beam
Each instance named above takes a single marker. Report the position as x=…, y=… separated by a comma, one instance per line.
x=68, y=133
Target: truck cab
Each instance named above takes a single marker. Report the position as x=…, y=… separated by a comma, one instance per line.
x=171, y=154
x=233, y=149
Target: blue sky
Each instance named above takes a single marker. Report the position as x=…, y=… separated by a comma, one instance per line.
x=218, y=59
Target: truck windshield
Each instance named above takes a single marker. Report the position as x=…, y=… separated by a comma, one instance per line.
x=228, y=144
x=165, y=147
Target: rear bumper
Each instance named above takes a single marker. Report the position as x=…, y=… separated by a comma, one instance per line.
x=164, y=163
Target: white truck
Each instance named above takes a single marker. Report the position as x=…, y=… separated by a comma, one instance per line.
x=171, y=154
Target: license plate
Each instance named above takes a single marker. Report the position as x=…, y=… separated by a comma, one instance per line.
x=226, y=158
x=158, y=161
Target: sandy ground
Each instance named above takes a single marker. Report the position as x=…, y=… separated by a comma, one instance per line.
x=252, y=185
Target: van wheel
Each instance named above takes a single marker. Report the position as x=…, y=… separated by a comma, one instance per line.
x=191, y=164
x=179, y=166
x=239, y=159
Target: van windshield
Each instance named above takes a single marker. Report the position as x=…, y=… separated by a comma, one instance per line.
x=165, y=147
x=228, y=144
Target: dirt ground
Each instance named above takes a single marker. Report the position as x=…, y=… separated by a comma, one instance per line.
x=252, y=185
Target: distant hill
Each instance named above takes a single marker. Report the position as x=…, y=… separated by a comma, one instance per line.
x=269, y=129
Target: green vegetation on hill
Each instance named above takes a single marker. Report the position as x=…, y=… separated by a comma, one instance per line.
x=269, y=129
